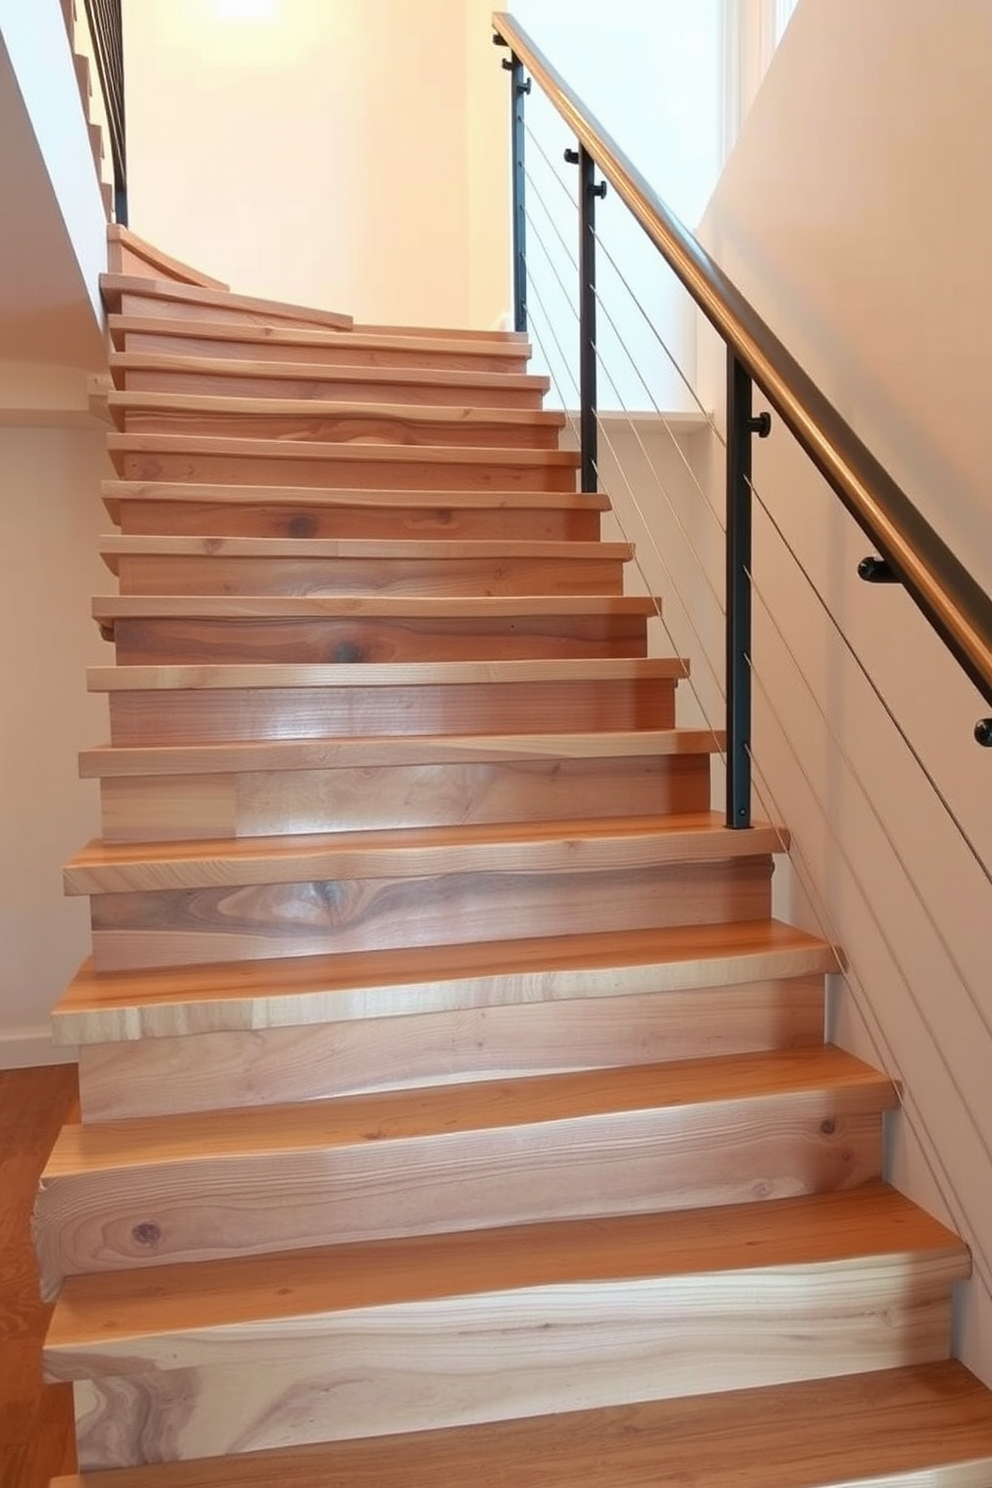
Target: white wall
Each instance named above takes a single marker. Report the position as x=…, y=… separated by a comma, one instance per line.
x=50, y=516
x=853, y=213
x=319, y=150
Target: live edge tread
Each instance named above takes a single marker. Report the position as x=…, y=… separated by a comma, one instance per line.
x=114, y=492
x=114, y=286
x=245, y=1294
x=561, y=846
x=461, y=343
x=140, y=678
x=103, y=1007
x=929, y=1424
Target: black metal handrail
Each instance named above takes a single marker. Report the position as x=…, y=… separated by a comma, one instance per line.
x=953, y=602
x=106, y=29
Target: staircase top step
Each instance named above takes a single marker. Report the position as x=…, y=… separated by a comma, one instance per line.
x=381, y=674
x=114, y=286
x=812, y=1075
x=123, y=238
x=372, y=454
x=164, y=1002
x=112, y=607
x=114, y=546
x=195, y=404
x=152, y=361
x=930, y=1424
x=465, y=343
x=114, y=492
x=116, y=1322
x=535, y=847
x=399, y=749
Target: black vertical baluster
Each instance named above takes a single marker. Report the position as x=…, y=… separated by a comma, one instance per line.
x=520, y=87
x=588, y=192
x=739, y=430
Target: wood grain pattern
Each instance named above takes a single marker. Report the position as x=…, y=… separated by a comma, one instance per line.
x=147, y=808
x=904, y=1428
x=148, y=372
x=180, y=300
x=297, y=993
x=336, y=710
x=594, y=845
x=619, y=1332
x=323, y=917
x=260, y=461
x=217, y=1071
x=230, y=340
x=435, y=1161
x=196, y=415
x=301, y=754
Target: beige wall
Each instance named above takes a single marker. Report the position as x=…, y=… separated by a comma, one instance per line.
x=50, y=516
x=853, y=213
x=322, y=152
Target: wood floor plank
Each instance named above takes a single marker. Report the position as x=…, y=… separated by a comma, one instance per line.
x=923, y=1427
x=97, y=1008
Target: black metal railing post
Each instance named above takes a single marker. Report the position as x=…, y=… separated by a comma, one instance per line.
x=107, y=32
x=519, y=88
x=588, y=429
x=741, y=427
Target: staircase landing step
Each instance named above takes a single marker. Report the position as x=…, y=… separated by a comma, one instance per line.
x=107, y=1007
x=117, y=287
x=898, y=1428
x=132, y=256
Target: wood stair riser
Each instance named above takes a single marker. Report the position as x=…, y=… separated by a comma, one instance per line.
x=344, y=638
x=396, y=425
x=284, y=802
x=231, y=342
x=205, y=716
x=565, y=1351
x=328, y=514
x=217, y=1071
x=928, y=1424
x=160, y=457
x=633, y=1164
x=209, y=377
x=428, y=576
x=201, y=926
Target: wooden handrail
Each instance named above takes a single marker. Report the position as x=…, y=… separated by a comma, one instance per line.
x=954, y=603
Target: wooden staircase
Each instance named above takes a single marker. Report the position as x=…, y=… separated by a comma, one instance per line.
x=453, y=1109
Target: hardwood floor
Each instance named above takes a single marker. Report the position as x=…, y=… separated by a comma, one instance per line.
x=37, y=1440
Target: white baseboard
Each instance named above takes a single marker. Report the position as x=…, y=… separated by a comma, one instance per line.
x=21, y=1048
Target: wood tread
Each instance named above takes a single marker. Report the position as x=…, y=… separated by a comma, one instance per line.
x=301, y=449
x=100, y=1007
x=192, y=405
x=253, y=606
x=821, y=1073
x=308, y=754
x=385, y=674
x=114, y=286
x=562, y=846
x=929, y=1426
x=466, y=345
x=123, y=362
x=123, y=1321
x=116, y=492
x=114, y=546
x=121, y=239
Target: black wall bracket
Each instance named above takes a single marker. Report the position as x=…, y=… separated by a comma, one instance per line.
x=877, y=571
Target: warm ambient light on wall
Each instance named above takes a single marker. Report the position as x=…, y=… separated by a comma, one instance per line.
x=245, y=10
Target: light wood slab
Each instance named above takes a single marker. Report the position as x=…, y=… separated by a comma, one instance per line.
x=111, y=607
x=178, y=299
x=216, y=1071
x=97, y=1008
x=902, y=1428
x=233, y=340
x=151, y=372
x=335, y=421
x=537, y=847
x=304, y=754
x=636, y=1308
